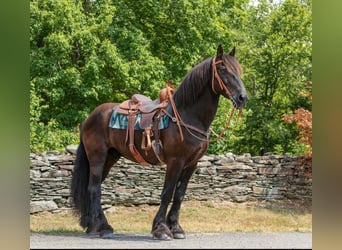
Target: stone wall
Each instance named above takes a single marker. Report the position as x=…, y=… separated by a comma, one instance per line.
x=235, y=178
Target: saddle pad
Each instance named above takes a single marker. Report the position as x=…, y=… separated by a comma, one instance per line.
x=120, y=121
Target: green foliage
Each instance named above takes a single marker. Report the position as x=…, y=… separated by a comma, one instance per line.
x=276, y=56
x=84, y=53
x=45, y=137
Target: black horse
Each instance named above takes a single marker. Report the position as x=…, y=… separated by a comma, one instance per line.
x=183, y=143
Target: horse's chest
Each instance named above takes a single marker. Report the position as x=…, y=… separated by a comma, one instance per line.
x=198, y=151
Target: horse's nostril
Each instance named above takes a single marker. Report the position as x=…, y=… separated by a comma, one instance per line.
x=243, y=97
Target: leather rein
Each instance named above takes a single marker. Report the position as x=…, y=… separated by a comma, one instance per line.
x=177, y=118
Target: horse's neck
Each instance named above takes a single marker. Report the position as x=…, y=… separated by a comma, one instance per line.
x=202, y=113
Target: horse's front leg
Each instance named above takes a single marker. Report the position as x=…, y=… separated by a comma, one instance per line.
x=159, y=228
x=173, y=215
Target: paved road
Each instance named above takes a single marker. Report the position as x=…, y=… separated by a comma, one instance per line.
x=193, y=240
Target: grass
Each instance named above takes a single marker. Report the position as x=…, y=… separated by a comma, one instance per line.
x=194, y=217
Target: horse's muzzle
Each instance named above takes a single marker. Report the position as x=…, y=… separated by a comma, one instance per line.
x=239, y=101
x=242, y=100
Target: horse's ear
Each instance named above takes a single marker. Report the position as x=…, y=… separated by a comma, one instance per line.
x=232, y=53
x=219, y=53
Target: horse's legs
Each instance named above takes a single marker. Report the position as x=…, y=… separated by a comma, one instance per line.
x=112, y=157
x=99, y=169
x=173, y=215
x=98, y=222
x=159, y=228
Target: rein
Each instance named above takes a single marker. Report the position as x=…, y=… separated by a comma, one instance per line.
x=188, y=127
x=175, y=111
x=219, y=136
x=228, y=93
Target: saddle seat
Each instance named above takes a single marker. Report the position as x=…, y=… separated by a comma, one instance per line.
x=141, y=103
x=144, y=103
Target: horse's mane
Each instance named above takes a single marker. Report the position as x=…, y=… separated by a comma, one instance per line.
x=199, y=76
x=193, y=83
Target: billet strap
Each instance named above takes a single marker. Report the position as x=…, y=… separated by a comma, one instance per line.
x=135, y=153
x=156, y=144
x=158, y=151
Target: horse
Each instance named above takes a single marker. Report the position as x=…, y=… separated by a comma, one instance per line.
x=184, y=141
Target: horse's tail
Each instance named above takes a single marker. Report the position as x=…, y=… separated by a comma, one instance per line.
x=79, y=185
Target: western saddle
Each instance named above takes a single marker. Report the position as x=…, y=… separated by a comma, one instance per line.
x=151, y=112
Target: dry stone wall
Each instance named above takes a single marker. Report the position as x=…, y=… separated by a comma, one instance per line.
x=235, y=178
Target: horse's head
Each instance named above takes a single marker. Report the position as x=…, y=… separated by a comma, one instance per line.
x=226, y=78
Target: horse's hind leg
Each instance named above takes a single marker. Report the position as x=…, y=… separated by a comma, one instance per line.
x=112, y=157
x=173, y=215
x=100, y=164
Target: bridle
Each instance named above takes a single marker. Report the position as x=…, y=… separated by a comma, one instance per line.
x=188, y=127
x=228, y=94
x=218, y=78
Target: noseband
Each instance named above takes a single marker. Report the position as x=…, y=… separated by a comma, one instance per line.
x=218, y=78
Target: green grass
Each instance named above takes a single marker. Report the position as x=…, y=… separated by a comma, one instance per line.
x=194, y=217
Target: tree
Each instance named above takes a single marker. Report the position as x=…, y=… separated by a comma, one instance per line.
x=84, y=53
x=75, y=66
x=276, y=55
x=303, y=119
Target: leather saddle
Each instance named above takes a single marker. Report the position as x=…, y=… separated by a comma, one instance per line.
x=144, y=105
x=150, y=111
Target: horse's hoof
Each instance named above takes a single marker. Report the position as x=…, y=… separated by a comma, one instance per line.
x=179, y=236
x=177, y=231
x=107, y=236
x=163, y=236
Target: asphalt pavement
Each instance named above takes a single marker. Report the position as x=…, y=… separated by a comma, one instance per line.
x=287, y=240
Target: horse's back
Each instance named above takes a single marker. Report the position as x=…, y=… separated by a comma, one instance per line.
x=98, y=119
x=102, y=109
x=108, y=106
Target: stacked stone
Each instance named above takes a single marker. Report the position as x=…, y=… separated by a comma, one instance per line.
x=50, y=176
x=229, y=177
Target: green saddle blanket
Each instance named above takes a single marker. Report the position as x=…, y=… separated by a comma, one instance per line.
x=120, y=121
